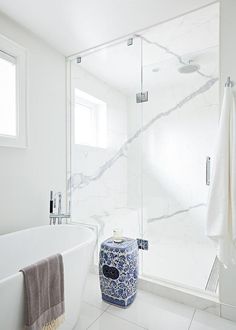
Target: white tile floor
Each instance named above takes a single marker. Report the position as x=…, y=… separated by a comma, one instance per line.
x=148, y=312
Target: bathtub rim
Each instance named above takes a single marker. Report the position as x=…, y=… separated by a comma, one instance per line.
x=90, y=240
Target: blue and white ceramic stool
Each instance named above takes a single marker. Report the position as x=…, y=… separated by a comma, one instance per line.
x=118, y=271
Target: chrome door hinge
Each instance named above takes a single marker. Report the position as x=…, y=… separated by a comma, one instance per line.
x=142, y=97
x=130, y=42
x=142, y=244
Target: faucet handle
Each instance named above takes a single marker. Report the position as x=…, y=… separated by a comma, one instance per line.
x=54, y=202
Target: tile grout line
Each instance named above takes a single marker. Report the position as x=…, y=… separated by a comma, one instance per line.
x=118, y=317
x=192, y=319
x=124, y=319
x=104, y=311
x=93, y=305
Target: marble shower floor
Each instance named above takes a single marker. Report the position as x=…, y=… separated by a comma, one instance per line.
x=179, y=250
x=148, y=312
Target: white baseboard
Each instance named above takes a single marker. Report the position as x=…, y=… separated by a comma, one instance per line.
x=197, y=299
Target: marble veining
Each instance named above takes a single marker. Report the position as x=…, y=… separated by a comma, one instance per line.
x=166, y=216
x=81, y=180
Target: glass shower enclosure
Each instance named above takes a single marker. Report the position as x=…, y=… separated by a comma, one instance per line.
x=143, y=115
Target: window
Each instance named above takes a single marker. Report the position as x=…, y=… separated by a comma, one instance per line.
x=90, y=120
x=12, y=94
x=7, y=95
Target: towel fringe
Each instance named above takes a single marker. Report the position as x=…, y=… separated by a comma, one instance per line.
x=53, y=325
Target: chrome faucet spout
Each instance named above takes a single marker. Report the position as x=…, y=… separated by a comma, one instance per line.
x=57, y=217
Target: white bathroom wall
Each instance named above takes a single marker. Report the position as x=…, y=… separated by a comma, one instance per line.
x=228, y=68
x=27, y=175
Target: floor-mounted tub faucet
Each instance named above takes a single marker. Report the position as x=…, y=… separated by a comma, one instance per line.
x=56, y=216
x=59, y=202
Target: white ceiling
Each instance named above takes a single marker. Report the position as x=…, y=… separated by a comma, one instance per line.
x=75, y=25
x=194, y=36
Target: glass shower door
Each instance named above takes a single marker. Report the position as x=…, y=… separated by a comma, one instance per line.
x=138, y=161
x=179, y=130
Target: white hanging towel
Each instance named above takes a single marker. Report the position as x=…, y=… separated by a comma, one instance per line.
x=221, y=213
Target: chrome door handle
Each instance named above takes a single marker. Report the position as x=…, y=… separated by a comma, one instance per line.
x=208, y=170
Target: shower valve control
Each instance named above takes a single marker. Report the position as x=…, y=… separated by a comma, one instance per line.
x=142, y=244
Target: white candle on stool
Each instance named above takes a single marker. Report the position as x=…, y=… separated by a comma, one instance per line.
x=117, y=235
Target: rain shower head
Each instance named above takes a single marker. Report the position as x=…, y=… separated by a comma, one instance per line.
x=189, y=68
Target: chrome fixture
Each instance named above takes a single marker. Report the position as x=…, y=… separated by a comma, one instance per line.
x=229, y=82
x=155, y=69
x=59, y=203
x=56, y=216
x=189, y=67
x=142, y=97
x=143, y=244
x=78, y=59
x=208, y=171
x=130, y=42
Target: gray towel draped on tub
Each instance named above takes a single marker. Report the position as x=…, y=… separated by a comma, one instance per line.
x=44, y=294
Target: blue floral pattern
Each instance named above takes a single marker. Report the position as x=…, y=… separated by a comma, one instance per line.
x=118, y=271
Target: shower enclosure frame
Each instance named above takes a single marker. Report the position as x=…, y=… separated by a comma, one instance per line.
x=179, y=292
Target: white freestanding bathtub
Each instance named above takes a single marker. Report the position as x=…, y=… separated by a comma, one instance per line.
x=22, y=248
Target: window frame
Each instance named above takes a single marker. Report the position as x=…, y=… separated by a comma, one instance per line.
x=11, y=51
